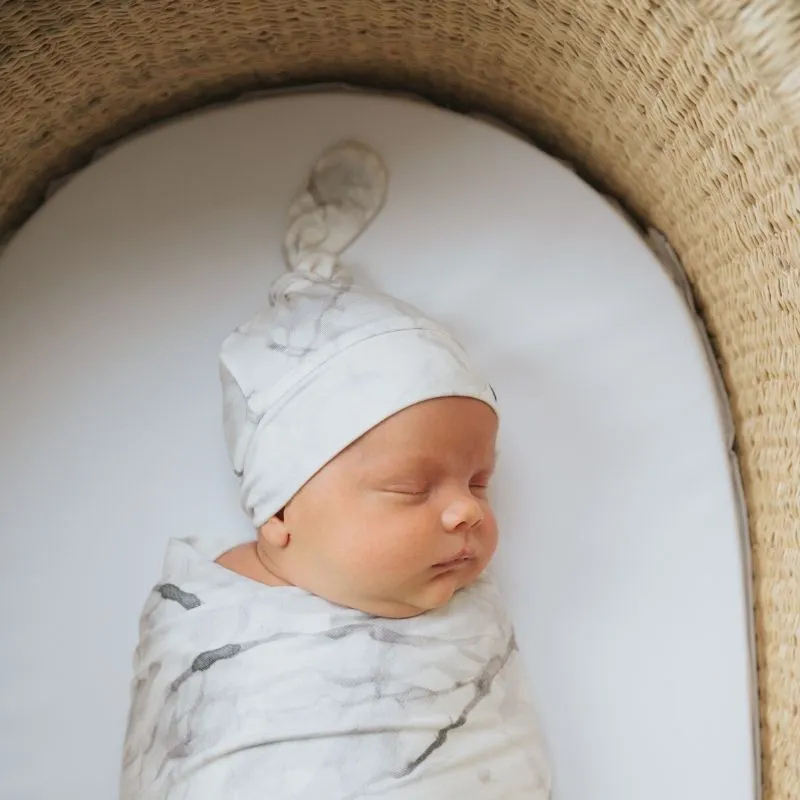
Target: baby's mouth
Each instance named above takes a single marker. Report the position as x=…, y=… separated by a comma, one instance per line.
x=461, y=558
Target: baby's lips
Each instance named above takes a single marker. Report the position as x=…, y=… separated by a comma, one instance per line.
x=465, y=554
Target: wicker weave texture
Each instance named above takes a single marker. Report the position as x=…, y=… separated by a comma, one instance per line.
x=689, y=112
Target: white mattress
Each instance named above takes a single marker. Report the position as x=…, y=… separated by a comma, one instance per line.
x=622, y=557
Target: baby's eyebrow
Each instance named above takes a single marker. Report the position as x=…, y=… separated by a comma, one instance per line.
x=412, y=463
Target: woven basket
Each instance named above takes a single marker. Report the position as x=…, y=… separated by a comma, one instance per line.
x=688, y=112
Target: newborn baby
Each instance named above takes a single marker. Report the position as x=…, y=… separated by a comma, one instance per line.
x=355, y=648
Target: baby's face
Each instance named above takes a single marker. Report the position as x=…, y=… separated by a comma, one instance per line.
x=400, y=520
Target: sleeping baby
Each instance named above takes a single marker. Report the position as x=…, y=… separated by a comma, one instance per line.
x=355, y=648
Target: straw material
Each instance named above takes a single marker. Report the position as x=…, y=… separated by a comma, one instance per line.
x=689, y=112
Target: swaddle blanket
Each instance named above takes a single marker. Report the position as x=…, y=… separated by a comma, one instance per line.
x=249, y=692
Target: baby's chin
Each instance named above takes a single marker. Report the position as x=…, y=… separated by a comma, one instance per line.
x=435, y=593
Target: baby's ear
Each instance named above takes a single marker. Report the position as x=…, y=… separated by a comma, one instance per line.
x=274, y=532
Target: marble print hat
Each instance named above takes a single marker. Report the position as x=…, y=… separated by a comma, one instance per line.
x=328, y=360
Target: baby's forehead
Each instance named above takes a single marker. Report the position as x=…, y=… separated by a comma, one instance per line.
x=428, y=459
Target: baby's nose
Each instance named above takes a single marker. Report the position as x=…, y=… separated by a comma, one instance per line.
x=462, y=514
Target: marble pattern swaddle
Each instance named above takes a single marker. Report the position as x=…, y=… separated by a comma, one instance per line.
x=244, y=691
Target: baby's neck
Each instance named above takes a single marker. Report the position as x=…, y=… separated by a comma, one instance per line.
x=244, y=560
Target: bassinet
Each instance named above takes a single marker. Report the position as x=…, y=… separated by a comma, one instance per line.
x=689, y=113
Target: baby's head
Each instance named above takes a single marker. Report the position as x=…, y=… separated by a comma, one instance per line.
x=363, y=436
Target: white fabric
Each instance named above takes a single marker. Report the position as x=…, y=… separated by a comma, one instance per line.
x=328, y=359
x=620, y=557
x=247, y=691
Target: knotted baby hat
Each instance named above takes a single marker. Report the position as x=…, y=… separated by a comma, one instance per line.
x=327, y=360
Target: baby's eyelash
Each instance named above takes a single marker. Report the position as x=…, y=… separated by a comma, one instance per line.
x=408, y=490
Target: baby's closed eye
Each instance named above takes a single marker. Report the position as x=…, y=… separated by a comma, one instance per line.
x=411, y=489
x=481, y=481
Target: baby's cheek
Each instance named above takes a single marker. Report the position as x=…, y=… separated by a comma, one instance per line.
x=490, y=527
x=377, y=549
x=400, y=552
x=400, y=555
